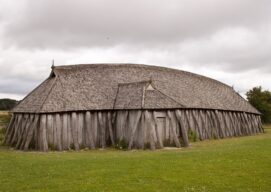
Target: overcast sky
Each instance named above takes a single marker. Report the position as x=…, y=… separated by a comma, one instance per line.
x=228, y=40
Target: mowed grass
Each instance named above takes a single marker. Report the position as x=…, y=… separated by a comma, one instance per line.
x=235, y=164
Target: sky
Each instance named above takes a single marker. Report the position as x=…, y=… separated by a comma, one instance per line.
x=228, y=40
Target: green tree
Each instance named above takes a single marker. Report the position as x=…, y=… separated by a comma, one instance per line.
x=261, y=100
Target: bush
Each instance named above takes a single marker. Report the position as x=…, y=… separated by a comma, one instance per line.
x=121, y=144
x=192, y=136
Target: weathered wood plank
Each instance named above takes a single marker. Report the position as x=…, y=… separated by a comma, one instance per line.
x=101, y=123
x=89, y=139
x=181, y=120
x=50, y=131
x=43, y=134
x=65, y=145
x=135, y=121
x=27, y=127
x=74, y=130
x=175, y=137
x=17, y=130
x=21, y=130
x=30, y=134
x=59, y=132
x=110, y=127
x=80, y=129
x=150, y=129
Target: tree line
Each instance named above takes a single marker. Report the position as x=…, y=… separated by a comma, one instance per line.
x=7, y=104
x=261, y=100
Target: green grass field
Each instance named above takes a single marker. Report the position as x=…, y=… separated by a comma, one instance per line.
x=236, y=164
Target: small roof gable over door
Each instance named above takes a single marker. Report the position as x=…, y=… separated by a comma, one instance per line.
x=142, y=95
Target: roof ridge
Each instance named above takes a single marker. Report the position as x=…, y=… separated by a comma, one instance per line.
x=157, y=67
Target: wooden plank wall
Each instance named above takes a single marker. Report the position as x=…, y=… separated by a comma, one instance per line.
x=100, y=129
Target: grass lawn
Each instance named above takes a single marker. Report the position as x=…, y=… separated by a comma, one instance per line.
x=236, y=164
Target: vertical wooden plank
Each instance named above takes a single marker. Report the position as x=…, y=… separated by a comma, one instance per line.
x=135, y=121
x=121, y=124
x=203, y=128
x=30, y=134
x=141, y=131
x=16, y=128
x=89, y=139
x=101, y=129
x=224, y=123
x=59, y=132
x=219, y=124
x=158, y=134
x=27, y=127
x=150, y=129
x=236, y=124
x=43, y=134
x=183, y=128
x=196, y=121
x=95, y=128
x=65, y=132
x=110, y=127
x=80, y=129
x=21, y=131
x=54, y=131
x=74, y=130
x=175, y=137
x=211, y=125
x=50, y=133
x=215, y=123
x=69, y=131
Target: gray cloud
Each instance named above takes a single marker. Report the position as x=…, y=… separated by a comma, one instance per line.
x=89, y=23
x=226, y=40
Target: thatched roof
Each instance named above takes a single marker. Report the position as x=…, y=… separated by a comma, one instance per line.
x=128, y=86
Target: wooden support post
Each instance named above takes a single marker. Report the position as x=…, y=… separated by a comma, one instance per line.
x=181, y=120
x=59, y=132
x=65, y=132
x=27, y=127
x=135, y=121
x=16, y=127
x=150, y=129
x=74, y=130
x=175, y=137
x=30, y=134
x=50, y=131
x=21, y=130
x=110, y=121
x=80, y=129
x=43, y=134
x=159, y=137
x=89, y=132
